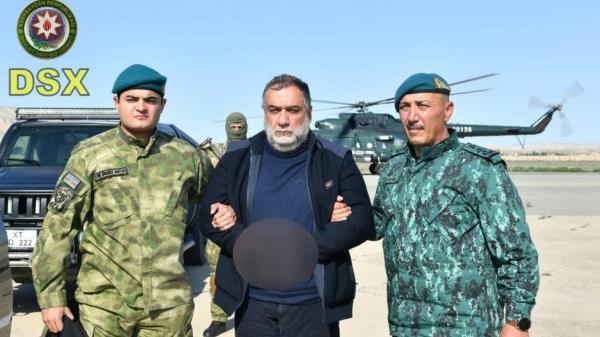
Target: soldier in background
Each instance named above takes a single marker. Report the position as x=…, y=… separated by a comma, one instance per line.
x=457, y=248
x=236, y=128
x=127, y=190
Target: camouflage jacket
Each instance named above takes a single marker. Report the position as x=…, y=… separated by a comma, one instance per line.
x=457, y=248
x=130, y=201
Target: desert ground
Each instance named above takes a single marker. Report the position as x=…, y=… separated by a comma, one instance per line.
x=564, y=218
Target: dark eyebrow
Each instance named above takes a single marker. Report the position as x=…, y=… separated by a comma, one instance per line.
x=286, y=107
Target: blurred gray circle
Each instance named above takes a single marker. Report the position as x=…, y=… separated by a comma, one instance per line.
x=275, y=254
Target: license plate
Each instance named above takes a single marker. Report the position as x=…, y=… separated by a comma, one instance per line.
x=21, y=238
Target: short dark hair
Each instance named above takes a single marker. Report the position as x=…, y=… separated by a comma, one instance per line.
x=285, y=80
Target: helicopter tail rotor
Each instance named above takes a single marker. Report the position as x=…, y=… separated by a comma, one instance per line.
x=536, y=103
x=565, y=125
x=574, y=90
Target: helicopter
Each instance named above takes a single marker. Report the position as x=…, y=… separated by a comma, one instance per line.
x=374, y=137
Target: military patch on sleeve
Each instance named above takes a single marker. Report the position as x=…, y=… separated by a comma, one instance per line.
x=105, y=174
x=71, y=180
x=62, y=195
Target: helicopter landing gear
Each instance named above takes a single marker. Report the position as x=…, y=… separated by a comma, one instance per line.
x=375, y=168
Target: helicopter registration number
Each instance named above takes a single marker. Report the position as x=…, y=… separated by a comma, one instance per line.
x=464, y=129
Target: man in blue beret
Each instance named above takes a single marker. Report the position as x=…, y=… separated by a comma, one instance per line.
x=127, y=190
x=457, y=249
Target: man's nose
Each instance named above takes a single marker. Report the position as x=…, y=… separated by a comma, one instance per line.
x=140, y=105
x=413, y=114
x=283, y=119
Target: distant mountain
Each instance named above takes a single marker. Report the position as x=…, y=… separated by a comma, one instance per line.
x=547, y=148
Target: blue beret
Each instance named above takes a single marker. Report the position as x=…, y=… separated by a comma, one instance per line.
x=421, y=82
x=138, y=76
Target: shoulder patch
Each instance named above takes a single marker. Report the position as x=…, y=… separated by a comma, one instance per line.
x=71, y=180
x=61, y=196
x=489, y=155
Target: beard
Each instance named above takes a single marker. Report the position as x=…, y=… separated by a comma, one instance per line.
x=291, y=141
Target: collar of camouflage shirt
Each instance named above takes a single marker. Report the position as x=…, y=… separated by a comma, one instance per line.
x=136, y=142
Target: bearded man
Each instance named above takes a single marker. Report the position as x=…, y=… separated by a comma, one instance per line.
x=288, y=172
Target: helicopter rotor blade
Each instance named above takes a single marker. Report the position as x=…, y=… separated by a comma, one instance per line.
x=334, y=108
x=383, y=101
x=536, y=103
x=473, y=79
x=332, y=102
x=468, y=92
x=565, y=126
x=361, y=106
x=575, y=90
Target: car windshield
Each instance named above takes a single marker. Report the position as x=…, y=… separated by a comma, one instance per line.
x=48, y=145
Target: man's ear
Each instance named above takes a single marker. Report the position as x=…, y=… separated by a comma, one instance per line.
x=448, y=111
x=115, y=100
x=163, y=103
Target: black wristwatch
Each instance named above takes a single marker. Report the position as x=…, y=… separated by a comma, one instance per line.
x=522, y=324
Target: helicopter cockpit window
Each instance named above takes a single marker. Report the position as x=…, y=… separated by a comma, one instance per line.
x=352, y=123
x=365, y=122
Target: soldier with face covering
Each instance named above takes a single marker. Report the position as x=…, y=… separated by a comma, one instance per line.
x=236, y=128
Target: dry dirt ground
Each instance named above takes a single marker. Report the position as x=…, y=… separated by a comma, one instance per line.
x=564, y=217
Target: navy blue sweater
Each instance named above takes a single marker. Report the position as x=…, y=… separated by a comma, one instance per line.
x=282, y=192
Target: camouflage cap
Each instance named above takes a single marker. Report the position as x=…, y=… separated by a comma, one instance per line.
x=138, y=76
x=421, y=82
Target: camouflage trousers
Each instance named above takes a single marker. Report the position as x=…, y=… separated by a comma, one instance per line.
x=212, y=255
x=129, y=322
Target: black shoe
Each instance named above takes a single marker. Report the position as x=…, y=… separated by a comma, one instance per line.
x=214, y=329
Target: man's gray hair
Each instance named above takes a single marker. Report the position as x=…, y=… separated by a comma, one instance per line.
x=285, y=80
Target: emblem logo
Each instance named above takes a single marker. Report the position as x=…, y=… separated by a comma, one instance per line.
x=61, y=196
x=46, y=29
x=439, y=84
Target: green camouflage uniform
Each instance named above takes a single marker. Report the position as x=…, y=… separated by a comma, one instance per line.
x=458, y=254
x=211, y=249
x=130, y=201
x=212, y=255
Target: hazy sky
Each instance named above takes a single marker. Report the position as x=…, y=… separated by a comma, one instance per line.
x=218, y=55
